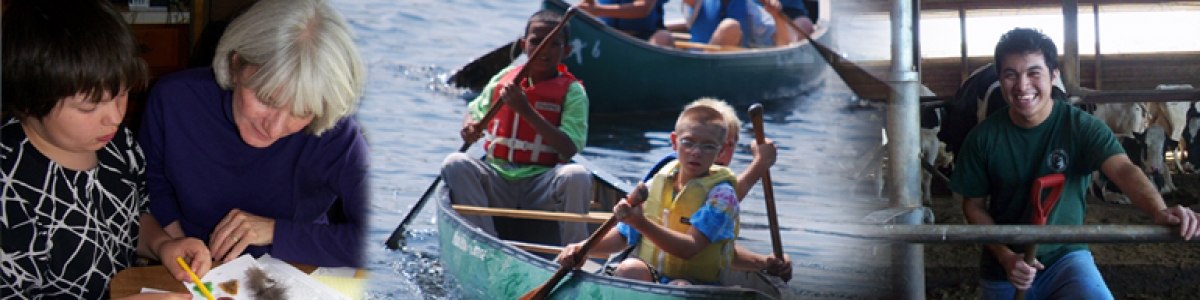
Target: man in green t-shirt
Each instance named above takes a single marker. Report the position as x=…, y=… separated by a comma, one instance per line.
x=1035, y=136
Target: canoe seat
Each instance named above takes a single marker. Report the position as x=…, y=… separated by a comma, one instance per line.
x=681, y=36
x=593, y=217
x=532, y=247
x=707, y=47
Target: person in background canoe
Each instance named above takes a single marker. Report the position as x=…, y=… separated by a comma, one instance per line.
x=227, y=161
x=796, y=10
x=642, y=19
x=1035, y=136
x=742, y=23
x=696, y=244
x=74, y=194
x=541, y=125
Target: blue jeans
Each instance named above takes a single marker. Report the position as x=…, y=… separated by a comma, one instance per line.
x=1074, y=276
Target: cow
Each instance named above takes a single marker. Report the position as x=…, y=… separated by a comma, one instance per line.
x=1145, y=150
x=932, y=151
x=1172, y=116
x=1128, y=121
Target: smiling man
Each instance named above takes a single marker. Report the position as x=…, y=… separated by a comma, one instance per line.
x=1038, y=135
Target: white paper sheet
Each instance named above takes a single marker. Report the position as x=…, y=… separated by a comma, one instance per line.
x=297, y=284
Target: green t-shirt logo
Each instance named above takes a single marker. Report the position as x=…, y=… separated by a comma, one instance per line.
x=1057, y=161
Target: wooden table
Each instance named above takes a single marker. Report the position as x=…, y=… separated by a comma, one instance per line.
x=131, y=281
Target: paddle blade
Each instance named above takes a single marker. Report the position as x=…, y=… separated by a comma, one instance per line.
x=476, y=74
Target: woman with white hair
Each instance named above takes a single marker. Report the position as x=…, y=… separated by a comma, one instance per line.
x=259, y=154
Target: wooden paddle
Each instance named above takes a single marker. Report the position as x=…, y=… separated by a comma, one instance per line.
x=542, y=291
x=844, y=68
x=756, y=117
x=393, y=241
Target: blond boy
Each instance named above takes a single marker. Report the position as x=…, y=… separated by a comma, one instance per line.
x=699, y=202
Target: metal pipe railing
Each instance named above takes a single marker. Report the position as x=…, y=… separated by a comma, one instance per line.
x=1005, y=234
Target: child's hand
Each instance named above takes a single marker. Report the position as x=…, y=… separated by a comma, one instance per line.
x=628, y=213
x=772, y=6
x=514, y=96
x=632, y=204
x=764, y=153
x=781, y=268
x=192, y=250
x=567, y=256
x=638, y=196
x=471, y=132
x=586, y=5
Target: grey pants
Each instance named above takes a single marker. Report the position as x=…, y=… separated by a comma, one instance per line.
x=565, y=188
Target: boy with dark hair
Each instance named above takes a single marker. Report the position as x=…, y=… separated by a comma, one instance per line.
x=542, y=124
x=1037, y=136
x=74, y=195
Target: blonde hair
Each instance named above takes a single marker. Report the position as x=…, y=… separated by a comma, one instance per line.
x=306, y=57
x=702, y=116
x=727, y=113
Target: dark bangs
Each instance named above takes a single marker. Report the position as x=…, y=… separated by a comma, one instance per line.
x=54, y=49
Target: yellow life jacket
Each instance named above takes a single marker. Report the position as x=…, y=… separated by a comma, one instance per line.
x=673, y=214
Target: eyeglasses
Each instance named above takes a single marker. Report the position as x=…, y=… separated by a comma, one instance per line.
x=699, y=147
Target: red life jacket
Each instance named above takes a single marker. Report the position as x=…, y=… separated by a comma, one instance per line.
x=513, y=139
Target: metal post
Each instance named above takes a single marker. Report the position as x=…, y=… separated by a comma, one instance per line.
x=1096, y=58
x=903, y=120
x=1069, y=62
x=916, y=37
x=962, y=29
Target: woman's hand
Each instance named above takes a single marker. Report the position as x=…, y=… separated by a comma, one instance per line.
x=191, y=250
x=238, y=230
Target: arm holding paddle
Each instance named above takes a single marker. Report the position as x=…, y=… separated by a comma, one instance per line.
x=764, y=158
x=1145, y=196
x=683, y=245
x=609, y=242
x=1020, y=273
x=783, y=25
x=746, y=260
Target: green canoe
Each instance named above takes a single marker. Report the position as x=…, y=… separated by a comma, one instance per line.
x=623, y=74
x=489, y=268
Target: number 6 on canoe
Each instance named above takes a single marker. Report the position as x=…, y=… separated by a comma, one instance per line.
x=393, y=241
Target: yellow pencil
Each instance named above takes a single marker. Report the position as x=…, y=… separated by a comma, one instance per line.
x=195, y=278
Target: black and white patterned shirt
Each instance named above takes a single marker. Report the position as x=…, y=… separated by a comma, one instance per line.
x=65, y=233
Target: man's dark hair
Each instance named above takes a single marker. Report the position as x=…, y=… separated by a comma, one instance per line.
x=55, y=49
x=1023, y=41
x=553, y=18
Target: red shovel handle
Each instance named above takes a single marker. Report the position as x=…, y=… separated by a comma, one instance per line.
x=1042, y=208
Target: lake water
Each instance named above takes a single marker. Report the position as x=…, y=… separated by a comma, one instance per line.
x=412, y=120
